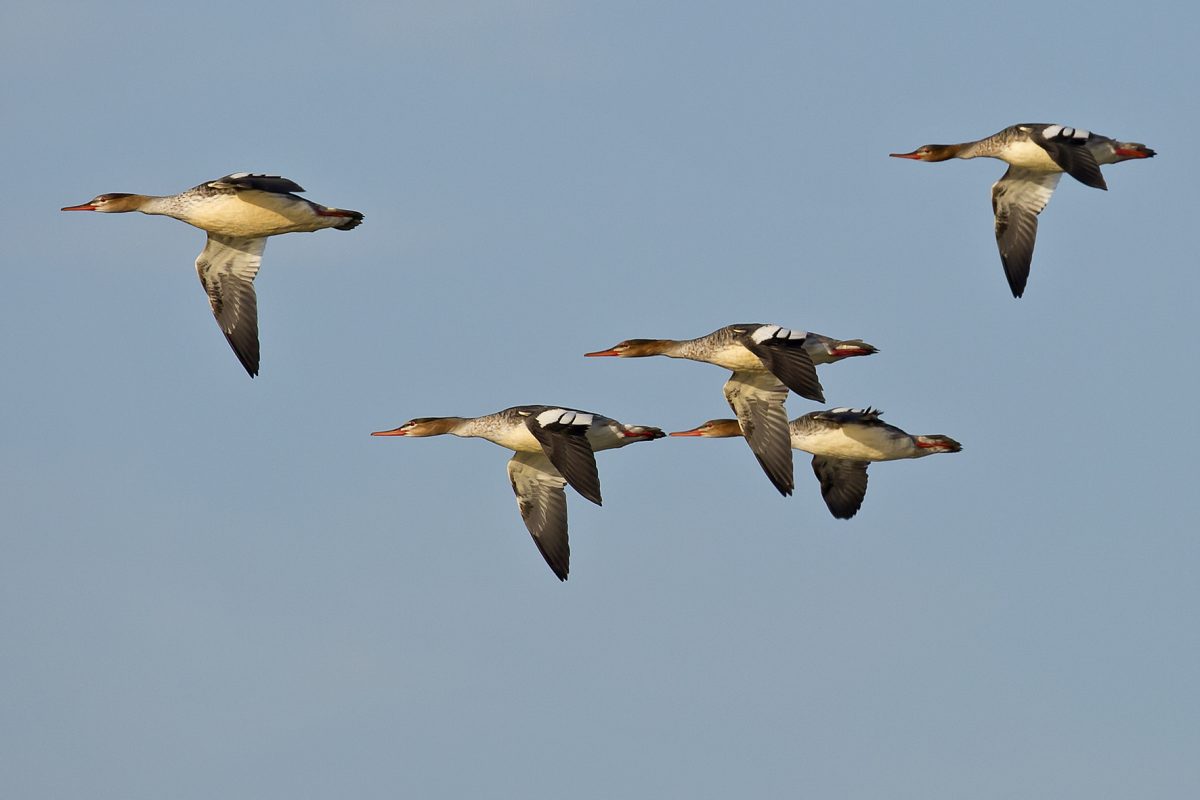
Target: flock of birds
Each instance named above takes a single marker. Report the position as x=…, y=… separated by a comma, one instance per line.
x=555, y=446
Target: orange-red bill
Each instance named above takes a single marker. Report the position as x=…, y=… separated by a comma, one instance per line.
x=393, y=432
x=82, y=207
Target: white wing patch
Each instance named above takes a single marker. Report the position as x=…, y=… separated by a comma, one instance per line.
x=562, y=416
x=766, y=332
x=1056, y=131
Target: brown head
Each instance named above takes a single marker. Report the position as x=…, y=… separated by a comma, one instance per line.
x=714, y=429
x=931, y=152
x=634, y=348
x=423, y=426
x=113, y=203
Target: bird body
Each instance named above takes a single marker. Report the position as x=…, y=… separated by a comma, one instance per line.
x=767, y=360
x=553, y=446
x=842, y=441
x=1038, y=154
x=238, y=212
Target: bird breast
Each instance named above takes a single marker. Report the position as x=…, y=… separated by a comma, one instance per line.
x=733, y=356
x=1030, y=155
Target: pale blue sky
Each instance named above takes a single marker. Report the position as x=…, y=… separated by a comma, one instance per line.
x=219, y=587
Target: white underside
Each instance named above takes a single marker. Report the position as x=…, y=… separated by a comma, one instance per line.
x=1030, y=156
x=253, y=214
x=514, y=437
x=734, y=357
x=859, y=442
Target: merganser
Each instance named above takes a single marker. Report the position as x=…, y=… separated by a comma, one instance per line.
x=553, y=446
x=1037, y=154
x=843, y=441
x=239, y=212
x=766, y=361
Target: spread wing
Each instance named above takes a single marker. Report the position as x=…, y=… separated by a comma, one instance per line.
x=562, y=433
x=843, y=484
x=1068, y=147
x=782, y=351
x=543, y=504
x=1017, y=199
x=757, y=399
x=227, y=268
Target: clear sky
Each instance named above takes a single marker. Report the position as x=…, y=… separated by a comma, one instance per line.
x=213, y=586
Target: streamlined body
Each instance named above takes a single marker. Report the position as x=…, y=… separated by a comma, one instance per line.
x=239, y=212
x=553, y=447
x=1037, y=154
x=766, y=361
x=843, y=441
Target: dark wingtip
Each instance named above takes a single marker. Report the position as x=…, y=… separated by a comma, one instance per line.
x=1016, y=280
x=250, y=364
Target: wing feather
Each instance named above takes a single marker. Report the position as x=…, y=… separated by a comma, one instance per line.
x=843, y=484
x=543, y=505
x=757, y=400
x=1073, y=155
x=785, y=356
x=227, y=267
x=264, y=183
x=1017, y=199
x=567, y=447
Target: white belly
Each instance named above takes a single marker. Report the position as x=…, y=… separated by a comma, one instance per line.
x=1030, y=156
x=735, y=357
x=514, y=437
x=858, y=442
x=255, y=214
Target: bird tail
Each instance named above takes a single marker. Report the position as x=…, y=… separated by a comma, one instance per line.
x=938, y=443
x=353, y=218
x=853, y=347
x=1127, y=150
